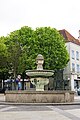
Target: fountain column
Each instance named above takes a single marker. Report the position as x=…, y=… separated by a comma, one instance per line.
x=40, y=82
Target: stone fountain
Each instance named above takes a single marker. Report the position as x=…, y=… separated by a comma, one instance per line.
x=39, y=77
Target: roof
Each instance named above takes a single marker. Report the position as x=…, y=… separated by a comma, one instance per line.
x=68, y=37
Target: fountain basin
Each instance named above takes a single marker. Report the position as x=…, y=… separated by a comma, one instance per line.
x=39, y=96
x=39, y=73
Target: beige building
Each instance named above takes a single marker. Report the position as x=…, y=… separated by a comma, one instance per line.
x=71, y=73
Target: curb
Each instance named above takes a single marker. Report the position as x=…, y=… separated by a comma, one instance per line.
x=38, y=104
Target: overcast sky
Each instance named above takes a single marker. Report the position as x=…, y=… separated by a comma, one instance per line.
x=59, y=14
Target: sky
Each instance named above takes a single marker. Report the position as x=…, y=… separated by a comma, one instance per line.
x=59, y=14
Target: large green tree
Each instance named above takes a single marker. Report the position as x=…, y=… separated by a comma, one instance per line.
x=25, y=44
x=48, y=42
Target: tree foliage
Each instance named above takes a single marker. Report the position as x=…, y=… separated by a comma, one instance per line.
x=51, y=45
x=3, y=54
x=22, y=47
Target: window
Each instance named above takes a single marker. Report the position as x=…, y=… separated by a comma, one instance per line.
x=73, y=67
x=73, y=54
x=77, y=67
x=77, y=55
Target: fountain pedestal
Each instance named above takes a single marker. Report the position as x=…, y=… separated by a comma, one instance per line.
x=39, y=82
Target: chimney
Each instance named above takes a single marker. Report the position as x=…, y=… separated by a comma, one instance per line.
x=79, y=36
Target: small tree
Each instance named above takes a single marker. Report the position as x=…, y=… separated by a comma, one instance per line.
x=14, y=51
x=3, y=59
x=3, y=54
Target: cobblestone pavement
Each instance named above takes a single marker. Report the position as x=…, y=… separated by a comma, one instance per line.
x=67, y=112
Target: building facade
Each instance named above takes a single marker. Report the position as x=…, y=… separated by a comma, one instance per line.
x=71, y=74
